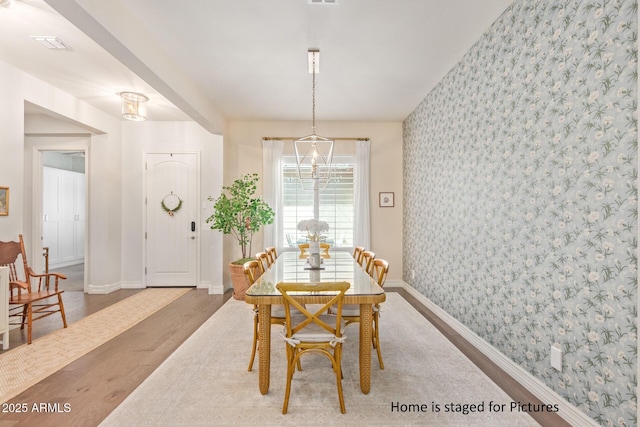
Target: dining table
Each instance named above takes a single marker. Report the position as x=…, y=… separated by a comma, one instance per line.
x=290, y=267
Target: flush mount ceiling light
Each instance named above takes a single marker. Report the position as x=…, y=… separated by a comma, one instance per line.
x=51, y=42
x=314, y=153
x=134, y=106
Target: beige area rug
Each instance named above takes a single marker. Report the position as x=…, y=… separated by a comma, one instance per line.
x=26, y=365
x=205, y=382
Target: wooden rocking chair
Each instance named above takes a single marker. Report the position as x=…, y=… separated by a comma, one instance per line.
x=27, y=304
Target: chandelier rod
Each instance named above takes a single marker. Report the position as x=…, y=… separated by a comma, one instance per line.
x=313, y=95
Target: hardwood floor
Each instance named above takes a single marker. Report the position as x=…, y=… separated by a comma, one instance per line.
x=87, y=390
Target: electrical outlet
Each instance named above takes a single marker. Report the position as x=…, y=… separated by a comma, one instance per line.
x=413, y=274
x=556, y=357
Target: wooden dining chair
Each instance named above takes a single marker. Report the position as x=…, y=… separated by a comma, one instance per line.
x=366, y=261
x=351, y=312
x=304, y=250
x=273, y=254
x=313, y=332
x=26, y=302
x=252, y=272
x=324, y=250
x=263, y=260
x=357, y=253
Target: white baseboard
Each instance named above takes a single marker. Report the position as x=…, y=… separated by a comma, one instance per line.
x=132, y=285
x=104, y=289
x=55, y=265
x=216, y=289
x=568, y=412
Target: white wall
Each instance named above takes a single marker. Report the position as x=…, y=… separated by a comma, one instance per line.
x=115, y=149
x=104, y=192
x=164, y=137
x=243, y=154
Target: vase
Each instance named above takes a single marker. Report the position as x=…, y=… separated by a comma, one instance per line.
x=239, y=280
x=314, y=247
x=315, y=261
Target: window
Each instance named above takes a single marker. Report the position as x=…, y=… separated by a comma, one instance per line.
x=336, y=203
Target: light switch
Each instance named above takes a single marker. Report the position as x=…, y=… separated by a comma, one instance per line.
x=556, y=357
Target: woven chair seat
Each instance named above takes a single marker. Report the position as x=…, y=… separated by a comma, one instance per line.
x=313, y=332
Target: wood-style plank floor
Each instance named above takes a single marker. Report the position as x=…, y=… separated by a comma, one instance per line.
x=94, y=385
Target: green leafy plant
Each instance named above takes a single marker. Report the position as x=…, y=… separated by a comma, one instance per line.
x=240, y=213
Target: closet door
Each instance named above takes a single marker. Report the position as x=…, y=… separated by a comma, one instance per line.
x=79, y=201
x=63, y=221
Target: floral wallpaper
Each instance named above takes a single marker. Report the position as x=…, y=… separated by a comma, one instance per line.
x=520, y=196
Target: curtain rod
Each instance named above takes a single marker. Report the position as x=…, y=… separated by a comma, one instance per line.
x=289, y=138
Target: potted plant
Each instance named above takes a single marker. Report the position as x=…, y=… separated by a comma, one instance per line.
x=240, y=213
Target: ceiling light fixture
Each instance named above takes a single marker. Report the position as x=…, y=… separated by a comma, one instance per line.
x=314, y=153
x=134, y=106
x=50, y=42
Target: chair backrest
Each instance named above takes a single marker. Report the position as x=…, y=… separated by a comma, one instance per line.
x=273, y=254
x=367, y=260
x=251, y=271
x=357, y=253
x=379, y=271
x=9, y=253
x=304, y=247
x=288, y=291
x=324, y=247
x=264, y=261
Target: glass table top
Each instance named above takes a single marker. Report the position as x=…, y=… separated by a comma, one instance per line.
x=338, y=267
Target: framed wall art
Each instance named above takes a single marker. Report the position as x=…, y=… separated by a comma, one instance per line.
x=4, y=201
x=386, y=200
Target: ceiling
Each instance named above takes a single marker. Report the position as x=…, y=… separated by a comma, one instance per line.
x=214, y=61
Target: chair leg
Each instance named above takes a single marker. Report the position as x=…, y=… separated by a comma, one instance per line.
x=29, y=322
x=255, y=343
x=64, y=317
x=290, y=368
x=338, y=361
x=25, y=309
x=376, y=338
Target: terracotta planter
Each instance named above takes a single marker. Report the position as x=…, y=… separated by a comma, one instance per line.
x=239, y=280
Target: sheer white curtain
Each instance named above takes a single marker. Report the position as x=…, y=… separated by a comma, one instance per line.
x=272, y=190
x=361, y=221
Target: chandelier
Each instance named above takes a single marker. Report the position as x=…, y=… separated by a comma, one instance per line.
x=314, y=153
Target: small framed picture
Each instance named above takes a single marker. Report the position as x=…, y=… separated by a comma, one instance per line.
x=386, y=200
x=4, y=201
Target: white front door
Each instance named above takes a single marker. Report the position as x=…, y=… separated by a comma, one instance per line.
x=172, y=219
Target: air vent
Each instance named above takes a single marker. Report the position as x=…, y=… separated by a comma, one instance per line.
x=323, y=1
x=50, y=42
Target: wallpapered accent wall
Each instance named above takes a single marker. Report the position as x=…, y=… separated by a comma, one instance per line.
x=520, y=190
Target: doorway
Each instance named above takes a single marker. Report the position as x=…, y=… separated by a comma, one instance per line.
x=38, y=188
x=64, y=215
